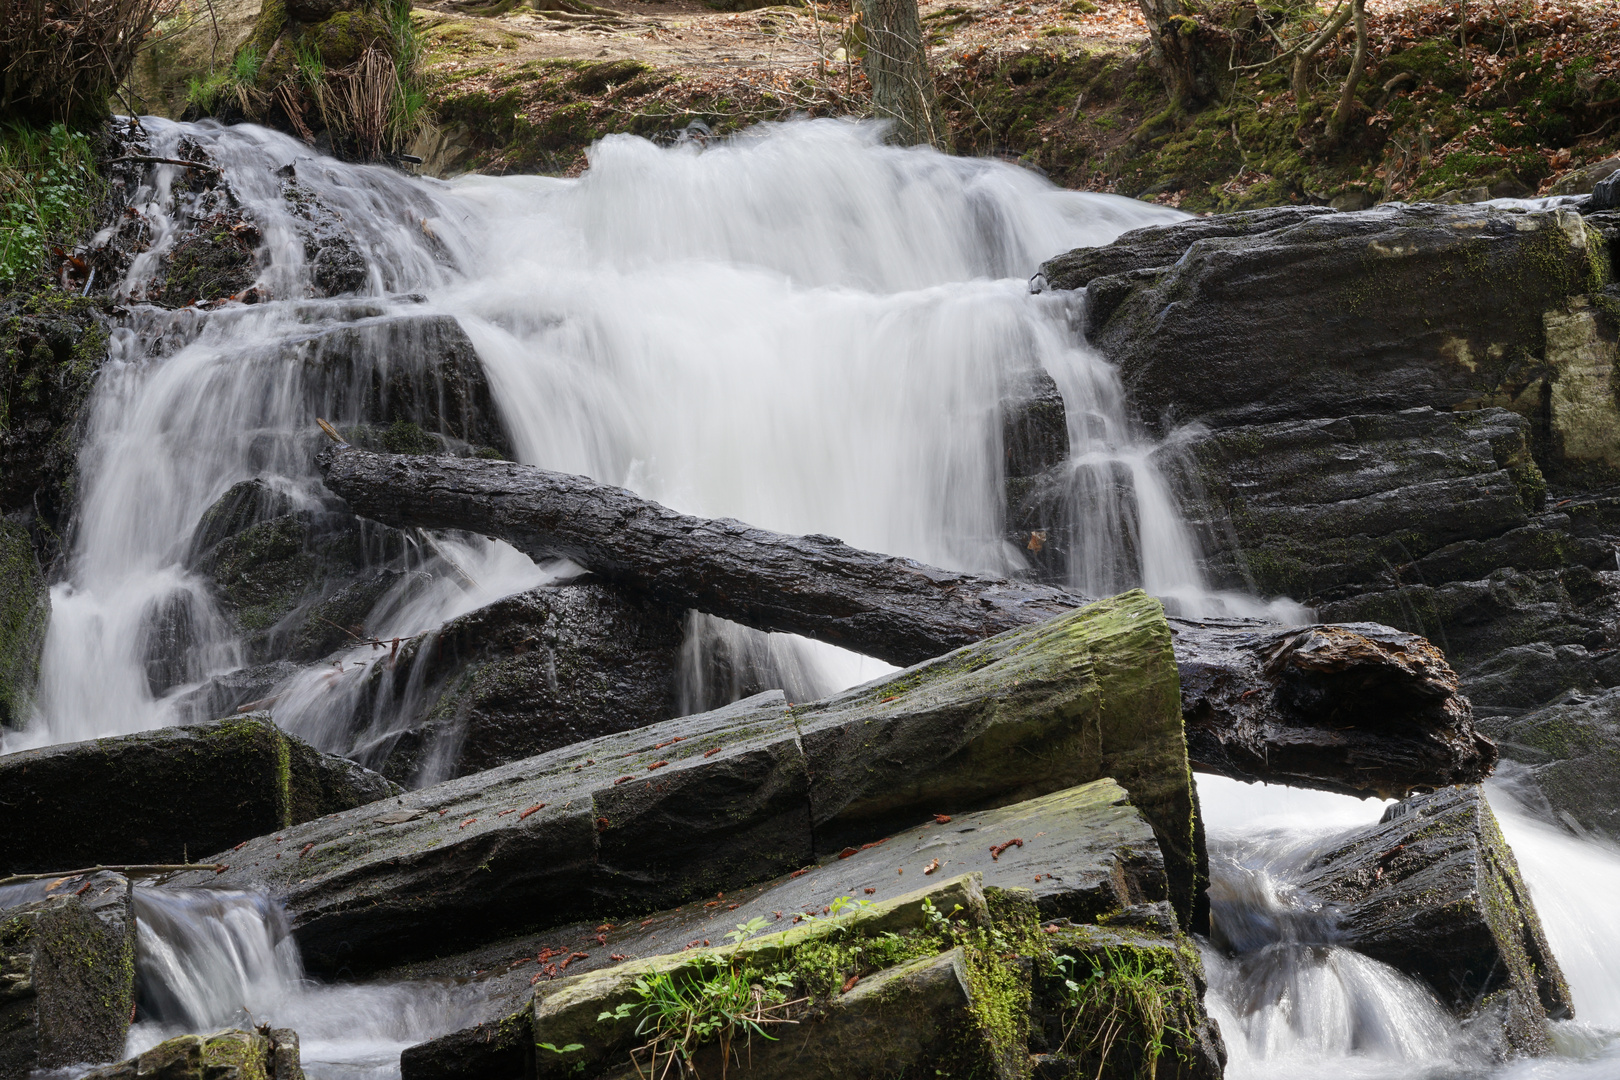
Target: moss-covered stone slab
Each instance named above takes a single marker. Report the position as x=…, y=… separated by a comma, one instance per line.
x=67, y=972
x=1433, y=890
x=1078, y=855
x=233, y=1054
x=167, y=795
x=711, y=802
x=1149, y=981
x=1335, y=314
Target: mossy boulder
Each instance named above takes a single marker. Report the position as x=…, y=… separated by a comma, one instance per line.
x=168, y=795
x=52, y=345
x=67, y=972
x=25, y=605
x=1123, y=1001
x=233, y=1054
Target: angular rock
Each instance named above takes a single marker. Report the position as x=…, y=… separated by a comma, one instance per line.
x=25, y=605
x=1572, y=750
x=1347, y=313
x=162, y=796
x=1319, y=507
x=1084, y=852
x=530, y=673
x=224, y=1055
x=714, y=801
x=67, y=972
x=903, y=611
x=1433, y=890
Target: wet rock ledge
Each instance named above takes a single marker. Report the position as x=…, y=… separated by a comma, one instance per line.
x=1405, y=415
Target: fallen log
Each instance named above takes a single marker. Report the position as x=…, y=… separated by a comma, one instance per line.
x=1359, y=708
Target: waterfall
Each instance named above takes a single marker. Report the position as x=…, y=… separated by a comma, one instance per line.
x=799, y=327
x=214, y=958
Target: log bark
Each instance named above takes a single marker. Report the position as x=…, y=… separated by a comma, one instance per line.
x=1361, y=709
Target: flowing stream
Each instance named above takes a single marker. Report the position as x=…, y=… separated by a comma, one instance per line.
x=800, y=328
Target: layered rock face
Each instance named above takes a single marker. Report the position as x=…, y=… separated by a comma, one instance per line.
x=1405, y=415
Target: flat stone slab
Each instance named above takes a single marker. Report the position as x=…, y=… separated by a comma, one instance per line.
x=645, y=819
x=1080, y=854
x=167, y=795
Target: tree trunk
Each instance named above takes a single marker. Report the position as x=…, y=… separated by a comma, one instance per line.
x=1181, y=59
x=897, y=66
x=1362, y=709
x=1358, y=66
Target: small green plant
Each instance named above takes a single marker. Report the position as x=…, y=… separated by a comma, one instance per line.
x=712, y=1001
x=579, y=1066
x=1120, y=1004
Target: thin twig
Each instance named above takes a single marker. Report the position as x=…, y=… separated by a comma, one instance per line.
x=129, y=869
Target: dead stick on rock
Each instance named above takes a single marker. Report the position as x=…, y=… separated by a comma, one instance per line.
x=127, y=870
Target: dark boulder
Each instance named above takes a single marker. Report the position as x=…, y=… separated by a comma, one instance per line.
x=1379, y=310
x=52, y=344
x=1433, y=890
x=714, y=801
x=533, y=672
x=417, y=369
x=67, y=972
x=163, y=796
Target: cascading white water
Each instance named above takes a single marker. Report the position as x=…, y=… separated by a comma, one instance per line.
x=801, y=328
x=216, y=958
x=1294, y=1004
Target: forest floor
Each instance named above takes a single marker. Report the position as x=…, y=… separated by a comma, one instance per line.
x=1061, y=86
